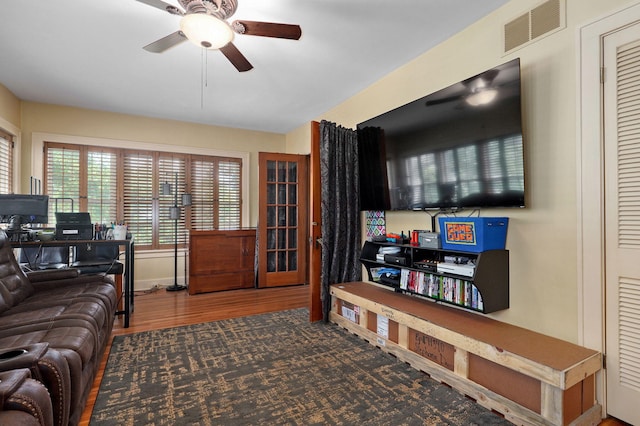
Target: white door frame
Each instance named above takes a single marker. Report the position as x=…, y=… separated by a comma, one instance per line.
x=591, y=258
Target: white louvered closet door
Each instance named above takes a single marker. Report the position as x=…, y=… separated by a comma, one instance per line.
x=622, y=215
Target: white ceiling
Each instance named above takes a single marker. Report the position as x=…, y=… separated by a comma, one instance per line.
x=88, y=54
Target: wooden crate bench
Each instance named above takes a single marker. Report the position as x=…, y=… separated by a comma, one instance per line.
x=528, y=377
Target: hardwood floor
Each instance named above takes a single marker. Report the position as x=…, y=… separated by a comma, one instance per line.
x=613, y=422
x=161, y=309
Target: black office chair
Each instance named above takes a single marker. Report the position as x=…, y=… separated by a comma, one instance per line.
x=37, y=258
x=94, y=259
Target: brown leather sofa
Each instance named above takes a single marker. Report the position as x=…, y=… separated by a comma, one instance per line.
x=55, y=324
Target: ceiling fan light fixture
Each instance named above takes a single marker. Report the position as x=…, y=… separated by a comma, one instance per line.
x=482, y=97
x=206, y=30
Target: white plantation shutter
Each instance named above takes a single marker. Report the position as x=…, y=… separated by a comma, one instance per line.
x=138, y=196
x=229, y=201
x=203, y=193
x=216, y=189
x=170, y=166
x=6, y=162
x=102, y=191
x=62, y=178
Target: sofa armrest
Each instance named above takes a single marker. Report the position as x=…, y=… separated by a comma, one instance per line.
x=10, y=382
x=48, y=367
x=18, y=418
x=19, y=394
x=22, y=356
x=52, y=275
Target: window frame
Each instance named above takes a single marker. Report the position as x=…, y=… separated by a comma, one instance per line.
x=9, y=168
x=38, y=140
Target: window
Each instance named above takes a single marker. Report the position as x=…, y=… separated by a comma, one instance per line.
x=125, y=185
x=102, y=166
x=139, y=204
x=223, y=192
x=228, y=194
x=62, y=179
x=6, y=163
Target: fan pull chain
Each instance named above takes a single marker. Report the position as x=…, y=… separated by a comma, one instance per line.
x=203, y=76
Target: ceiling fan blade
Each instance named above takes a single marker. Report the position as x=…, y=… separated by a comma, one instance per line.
x=165, y=43
x=443, y=100
x=267, y=29
x=163, y=6
x=236, y=58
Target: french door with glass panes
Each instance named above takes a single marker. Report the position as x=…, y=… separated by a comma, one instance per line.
x=282, y=222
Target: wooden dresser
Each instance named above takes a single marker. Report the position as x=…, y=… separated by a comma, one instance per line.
x=221, y=260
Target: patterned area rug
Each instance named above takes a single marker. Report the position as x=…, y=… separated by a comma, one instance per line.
x=270, y=369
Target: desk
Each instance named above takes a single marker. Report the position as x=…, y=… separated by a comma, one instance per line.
x=128, y=263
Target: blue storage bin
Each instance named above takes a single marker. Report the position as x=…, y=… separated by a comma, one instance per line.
x=473, y=234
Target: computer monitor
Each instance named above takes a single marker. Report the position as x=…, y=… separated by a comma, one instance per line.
x=24, y=209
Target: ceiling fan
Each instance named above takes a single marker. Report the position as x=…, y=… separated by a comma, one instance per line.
x=204, y=24
x=478, y=90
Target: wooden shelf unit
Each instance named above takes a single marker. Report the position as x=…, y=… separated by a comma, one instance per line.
x=490, y=278
x=530, y=378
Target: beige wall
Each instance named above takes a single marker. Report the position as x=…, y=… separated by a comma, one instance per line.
x=10, y=118
x=298, y=140
x=542, y=238
x=96, y=124
x=9, y=108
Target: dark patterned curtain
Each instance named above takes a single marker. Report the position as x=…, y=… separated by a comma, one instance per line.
x=340, y=209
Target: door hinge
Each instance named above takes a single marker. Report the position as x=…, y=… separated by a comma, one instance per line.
x=604, y=362
x=602, y=75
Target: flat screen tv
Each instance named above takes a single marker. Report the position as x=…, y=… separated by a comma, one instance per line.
x=24, y=209
x=460, y=147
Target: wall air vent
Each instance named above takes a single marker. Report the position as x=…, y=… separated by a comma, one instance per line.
x=516, y=32
x=542, y=20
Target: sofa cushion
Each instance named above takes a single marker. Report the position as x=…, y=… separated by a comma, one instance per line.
x=69, y=334
x=95, y=290
x=90, y=311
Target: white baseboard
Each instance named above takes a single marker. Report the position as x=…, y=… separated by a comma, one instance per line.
x=143, y=285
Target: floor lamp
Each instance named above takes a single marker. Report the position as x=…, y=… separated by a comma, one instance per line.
x=174, y=214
